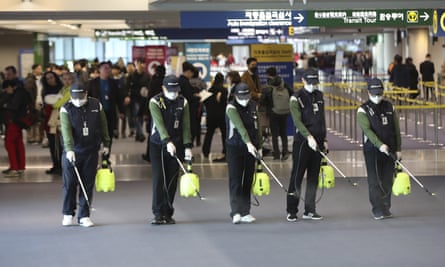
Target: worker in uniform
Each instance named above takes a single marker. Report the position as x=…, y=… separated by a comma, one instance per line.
x=242, y=148
x=84, y=127
x=307, y=109
x=170, y=138
x=381, y=142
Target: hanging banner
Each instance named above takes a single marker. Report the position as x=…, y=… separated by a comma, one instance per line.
x=137, y=53
x=155, y=55
x=199, y=56
x=281, y=57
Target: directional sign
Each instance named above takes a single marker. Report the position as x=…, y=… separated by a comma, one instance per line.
x=240, y=19
x=254, y=19
x=369, y=18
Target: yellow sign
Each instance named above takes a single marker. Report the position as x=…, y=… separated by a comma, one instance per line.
x=272, y=52
x=412, y=16
x=442, y=22
x=435, y=22
x=291, y=31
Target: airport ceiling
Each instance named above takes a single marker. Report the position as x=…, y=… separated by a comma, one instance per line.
x=66, y=18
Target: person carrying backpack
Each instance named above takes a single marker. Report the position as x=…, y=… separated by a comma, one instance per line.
x=275, y=97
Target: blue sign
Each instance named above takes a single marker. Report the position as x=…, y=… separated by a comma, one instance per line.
x=242, y=19
x=199, y=56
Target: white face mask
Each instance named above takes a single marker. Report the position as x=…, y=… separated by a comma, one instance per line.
x=310, y=87
x=242, y=102
x=79, y=102
x=171, y=95
x=376, y=99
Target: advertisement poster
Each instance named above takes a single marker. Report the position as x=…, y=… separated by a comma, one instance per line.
x=199, y=56
x=155, y=55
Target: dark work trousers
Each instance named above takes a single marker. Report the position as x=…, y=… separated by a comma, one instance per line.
x=165, y=173
x=55, y=149
x=241, y=166
x=111, y=123
x=87, y=166
x=195, y=122
x=380, y=169
x=136, y=116
x=148, y=130
x=278, y=125
x=304, y=160
x=212, y=124
x=427, y=90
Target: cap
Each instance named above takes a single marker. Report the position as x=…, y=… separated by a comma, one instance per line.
x=242, y=90
x=375, y=86
x=78, y=93
x=311, y=76
x=171, y=83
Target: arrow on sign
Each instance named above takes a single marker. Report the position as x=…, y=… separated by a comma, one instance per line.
x=299, y=17
x=425, y=16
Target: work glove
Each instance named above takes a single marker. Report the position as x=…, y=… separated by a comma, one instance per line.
x=311, y=142
x=260, y=153
x=171, y=149
x=106, y=152
x=251, y=149
x=70, y=156
x=188, y=154
x=399, y=155
x=384, y=149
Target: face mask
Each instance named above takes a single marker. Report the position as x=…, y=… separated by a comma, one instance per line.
x=376, y=99
x=171, y=95
x=310, y=87
x=254, y=69
x=242, y=102
x=79, y=102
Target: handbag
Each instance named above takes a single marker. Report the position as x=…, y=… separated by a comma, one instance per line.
x=31, y=117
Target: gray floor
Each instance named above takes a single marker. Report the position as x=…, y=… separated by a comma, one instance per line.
x=31, y=234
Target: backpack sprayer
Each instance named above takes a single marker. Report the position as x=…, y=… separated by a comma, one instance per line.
x=326, y=178
x=81, y=185
x=261, y=184
x=412, y=176
x=189, y=182
x=332, y=182
x=402, y=184
x=257, y=187
x=105, y=178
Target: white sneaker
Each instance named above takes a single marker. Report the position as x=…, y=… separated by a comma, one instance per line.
x=67, y=220
x=236, y=218
x=248, y=219
x=86, y=222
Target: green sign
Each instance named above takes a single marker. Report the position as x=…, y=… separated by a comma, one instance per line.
x=370, y=18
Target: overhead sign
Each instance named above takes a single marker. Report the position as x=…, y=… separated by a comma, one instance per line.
x=296, y=18
x=370, y=18
x=242, y=19
x=439, y=22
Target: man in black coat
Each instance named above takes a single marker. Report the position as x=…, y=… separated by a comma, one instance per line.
x=106, y=89
x=427, y=71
